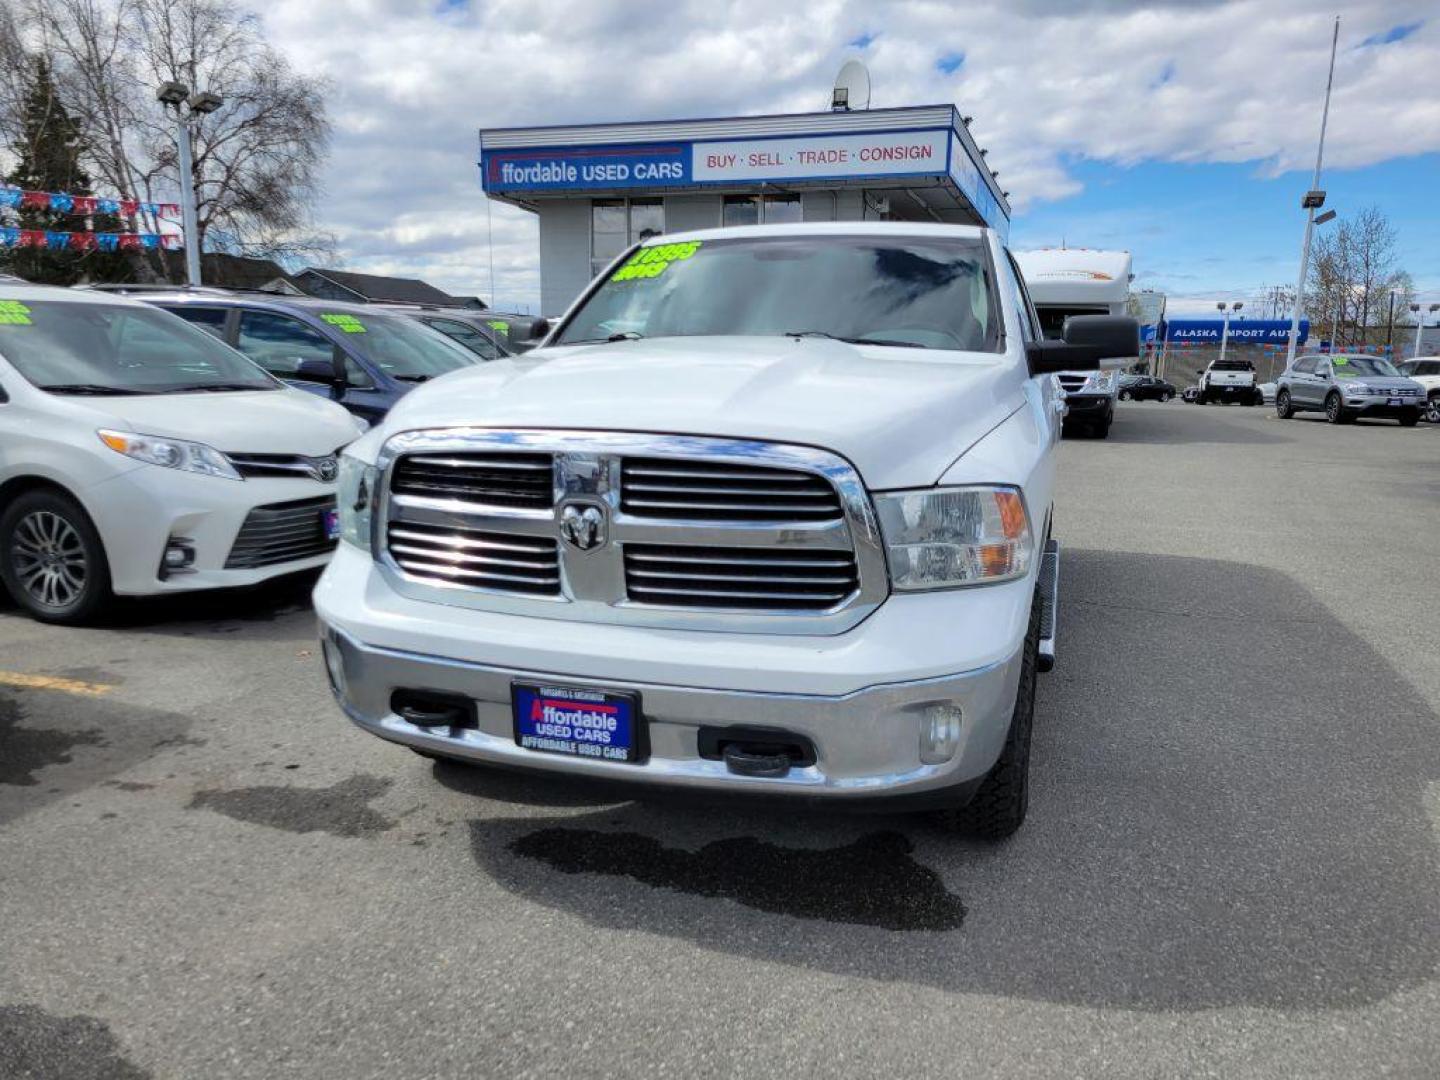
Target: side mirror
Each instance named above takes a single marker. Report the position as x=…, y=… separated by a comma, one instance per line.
x=1087, y=342
x=321, y=371
x=539, y=328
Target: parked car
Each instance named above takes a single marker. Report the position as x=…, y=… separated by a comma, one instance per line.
x=138, y=456
x=1267, y=392
x=789, y=536
x=521, y=333
x=1347, y=386
x=364, y=356
x=1227, y=381
x=475, y=330
x=1427, y=374
x=1190, y=394
x=1143, y=387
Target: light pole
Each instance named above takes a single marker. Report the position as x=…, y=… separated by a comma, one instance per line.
x=1225, y=329
x=172, y=95
x=1420, y=323
x=1313, y=200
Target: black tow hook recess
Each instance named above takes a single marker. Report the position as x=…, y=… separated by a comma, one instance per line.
x=745, y=762
x=428, y=710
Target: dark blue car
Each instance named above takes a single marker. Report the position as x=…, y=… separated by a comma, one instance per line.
x=360, y=355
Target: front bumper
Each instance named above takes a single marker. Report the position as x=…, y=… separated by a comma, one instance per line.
x=141, y=510
x=859, y=698
x=1089, y=406
x=1380, y=408
x=1232, y=393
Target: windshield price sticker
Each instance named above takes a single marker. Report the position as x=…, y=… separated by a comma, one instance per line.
x=653, y=261
x=499, y=326
x=14, y=313
x=346, y=323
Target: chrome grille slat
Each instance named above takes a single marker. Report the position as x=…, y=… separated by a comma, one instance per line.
x=503, y=562
x=461, y=540
x=699, y=490
x=704, y=556
x=467, y=559
x=716, y=577
x=486, y=479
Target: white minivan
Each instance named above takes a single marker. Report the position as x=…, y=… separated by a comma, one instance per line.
x=139, y=455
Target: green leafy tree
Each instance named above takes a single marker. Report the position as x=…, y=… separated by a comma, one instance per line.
x=48, y=150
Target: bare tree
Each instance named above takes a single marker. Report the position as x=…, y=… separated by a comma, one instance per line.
x=257, y=158
x=1354, y=269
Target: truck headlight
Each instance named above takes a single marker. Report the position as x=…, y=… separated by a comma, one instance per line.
x=356, y=492
x=171, y=453
x=943, y=538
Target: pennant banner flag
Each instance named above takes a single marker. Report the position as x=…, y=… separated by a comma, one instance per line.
x=18, y=198
x=85, y=241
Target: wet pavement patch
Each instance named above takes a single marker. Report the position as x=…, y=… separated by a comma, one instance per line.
x=23, y=751
x=34, y=1043
x=871, y=882
x=341, y=809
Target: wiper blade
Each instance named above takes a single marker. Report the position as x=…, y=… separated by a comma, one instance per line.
x=852, y=340
x=97, y=389
x=411, y=378
x=190, y=387
x=626, y=335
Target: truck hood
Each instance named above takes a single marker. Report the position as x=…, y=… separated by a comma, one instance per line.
x=254, y=422
x=899, y=415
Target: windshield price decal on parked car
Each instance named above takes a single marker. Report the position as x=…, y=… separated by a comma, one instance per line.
x=348, y=323
x=14, y=313
x=653, y=261
x=499, y=325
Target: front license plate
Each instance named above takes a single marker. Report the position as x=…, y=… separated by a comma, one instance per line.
x=1395, y=401
x=330, y=522
x=577, y=721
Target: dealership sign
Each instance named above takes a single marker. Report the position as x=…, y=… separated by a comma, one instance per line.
x=1245, y=331
x=807, y=157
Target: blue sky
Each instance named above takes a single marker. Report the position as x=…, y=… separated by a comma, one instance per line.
x=1183, y=130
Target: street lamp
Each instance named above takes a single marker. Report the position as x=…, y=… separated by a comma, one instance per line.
x=1225, y=329
x=173, y=95
x=1420, y=323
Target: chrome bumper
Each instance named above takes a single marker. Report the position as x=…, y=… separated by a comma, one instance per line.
x=867, y=744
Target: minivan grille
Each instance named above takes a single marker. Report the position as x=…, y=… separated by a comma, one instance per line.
x=493, y=478
x=292, y=465
x=282, y=532
x=728, y=577
x=722, y=491
x=504, y=562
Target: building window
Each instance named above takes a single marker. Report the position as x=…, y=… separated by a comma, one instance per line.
x=760, y=209
x=615, y=224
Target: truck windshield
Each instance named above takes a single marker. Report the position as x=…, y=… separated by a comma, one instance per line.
x=913, y=292
x=1355, y=367
x=1232, y=365
x=69, y=347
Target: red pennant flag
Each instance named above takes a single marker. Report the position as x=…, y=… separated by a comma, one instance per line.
x=129, y=207
x=130, y=241
x=170, y=210
x=32, y=237
x=82, y=241
x=85, y=204
x=35, y=200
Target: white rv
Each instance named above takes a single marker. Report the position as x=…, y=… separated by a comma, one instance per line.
x=1079, y=281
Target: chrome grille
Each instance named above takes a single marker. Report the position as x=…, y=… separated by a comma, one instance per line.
x=487, y=479
x=1072, y=383
x=482, y=560
x=296, y=465
x=731, y=577
x=722, y=491
x=281, y=532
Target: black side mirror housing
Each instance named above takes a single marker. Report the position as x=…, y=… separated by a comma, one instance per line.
x=321, y=371
x=1086, y=342
x=539, y=328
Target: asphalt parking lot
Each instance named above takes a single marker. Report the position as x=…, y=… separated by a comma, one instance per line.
x=1230, y=867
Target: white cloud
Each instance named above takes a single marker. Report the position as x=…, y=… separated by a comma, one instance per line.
x=1048, y=82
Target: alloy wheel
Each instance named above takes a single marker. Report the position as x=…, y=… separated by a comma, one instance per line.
x=1432, y=409
x=49, y=559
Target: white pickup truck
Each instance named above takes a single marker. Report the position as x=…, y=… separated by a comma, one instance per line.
x=768, y=512
x=1229, y=380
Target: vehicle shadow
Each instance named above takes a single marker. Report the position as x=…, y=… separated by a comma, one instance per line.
x=279, y=608
x=1170, y=424
x=1228, y=809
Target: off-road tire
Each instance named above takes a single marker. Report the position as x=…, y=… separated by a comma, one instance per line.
x=999, y=805
x=1284, y=407
x=92, y=596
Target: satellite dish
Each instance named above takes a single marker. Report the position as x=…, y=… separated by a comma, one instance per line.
x=852, y=88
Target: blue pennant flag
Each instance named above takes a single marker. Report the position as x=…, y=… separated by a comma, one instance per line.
x=150, y=240
x=11, y=197
x=63, y=203
x=9, y=237
x=108, y=241
x=108, y=206
x=57, y=241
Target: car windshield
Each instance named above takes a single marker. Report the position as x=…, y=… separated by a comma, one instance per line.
x=1355, y=367
x=913, y=292
x=399, y=346
x=69, y=347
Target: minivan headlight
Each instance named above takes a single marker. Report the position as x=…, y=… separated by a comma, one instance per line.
x=355, y=492
x=171, y=453
x=943, y=538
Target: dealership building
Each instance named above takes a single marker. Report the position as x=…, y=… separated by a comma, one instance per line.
x=597, y=188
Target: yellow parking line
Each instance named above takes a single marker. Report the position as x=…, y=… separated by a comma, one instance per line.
x=52, y=682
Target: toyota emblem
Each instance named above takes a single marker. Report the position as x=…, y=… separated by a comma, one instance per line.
x=583, y=527
x=326, y=469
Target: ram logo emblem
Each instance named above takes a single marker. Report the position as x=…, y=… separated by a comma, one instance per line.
x=583, y=527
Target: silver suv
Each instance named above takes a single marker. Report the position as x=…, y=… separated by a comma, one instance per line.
x=1346, y=386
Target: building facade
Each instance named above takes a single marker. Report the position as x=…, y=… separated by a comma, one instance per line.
x=598, y=188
